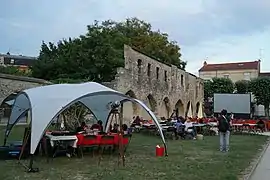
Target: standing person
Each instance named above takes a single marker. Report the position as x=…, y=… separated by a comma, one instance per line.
x=224, y=131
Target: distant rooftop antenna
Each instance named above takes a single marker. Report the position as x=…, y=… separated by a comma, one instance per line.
x=260, y=55
x=12, y=51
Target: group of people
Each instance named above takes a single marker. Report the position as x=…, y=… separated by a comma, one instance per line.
x=183, y=125
x=83, y=127
x=115, y=128
x=223, y=124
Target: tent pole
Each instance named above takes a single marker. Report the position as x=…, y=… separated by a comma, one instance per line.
x=166, y=150
x=30, y=168
x=6, y=136
x=121, y=147
x=5, y=141
x=25, y=140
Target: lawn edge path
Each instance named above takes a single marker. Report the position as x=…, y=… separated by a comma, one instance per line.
x=252, y=167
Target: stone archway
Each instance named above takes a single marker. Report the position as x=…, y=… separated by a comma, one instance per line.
x=165, y=108
x=151, y=103
x=130, y=109
x=180, y=107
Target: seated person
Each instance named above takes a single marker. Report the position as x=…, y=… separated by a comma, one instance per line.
x=177, y=127
x=189, y=127
x=260, y=125
x=125, y=128
x=82, y=128
x=182, y=119
x=98, y=126
x=169, y=122
x=115, y=128
x=136, y=122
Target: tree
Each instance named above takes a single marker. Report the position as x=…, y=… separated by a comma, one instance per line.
x=217, y=85
x=208, y=90
x=222, y=85
x=75, y=115
x=242, y=86
x=208, y=93
x=260, y=88
x=13, y=71
x=96, y=55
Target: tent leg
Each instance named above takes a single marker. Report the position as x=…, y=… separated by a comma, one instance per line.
x=5, y=141
x=166, y=151
x=30, y=168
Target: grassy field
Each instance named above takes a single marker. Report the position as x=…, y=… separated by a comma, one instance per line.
x=187, y=160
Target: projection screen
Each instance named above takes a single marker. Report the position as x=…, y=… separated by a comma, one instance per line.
x=235, y=103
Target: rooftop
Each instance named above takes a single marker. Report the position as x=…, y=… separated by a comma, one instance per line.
x=18, y=60
x=230, y=66
x=17, y=56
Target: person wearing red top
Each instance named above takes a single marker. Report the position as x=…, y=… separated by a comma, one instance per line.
x=98, y=126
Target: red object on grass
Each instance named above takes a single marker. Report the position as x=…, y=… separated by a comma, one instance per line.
x=160, y=151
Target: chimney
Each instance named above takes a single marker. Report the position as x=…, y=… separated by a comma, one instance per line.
x=205, y=63
x=259, y=66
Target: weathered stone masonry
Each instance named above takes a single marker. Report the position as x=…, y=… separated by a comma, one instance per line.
x=163, y=88
x=11, y=83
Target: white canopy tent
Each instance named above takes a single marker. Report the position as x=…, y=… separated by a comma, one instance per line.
x=45, y=103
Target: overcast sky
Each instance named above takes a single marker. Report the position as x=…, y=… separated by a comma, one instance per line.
x=216, y=30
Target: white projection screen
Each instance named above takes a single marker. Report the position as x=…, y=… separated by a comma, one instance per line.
x=235, y=103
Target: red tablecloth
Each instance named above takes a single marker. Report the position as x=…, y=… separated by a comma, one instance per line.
x=99, y=141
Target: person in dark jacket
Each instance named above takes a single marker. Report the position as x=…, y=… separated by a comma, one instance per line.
x=224, y=131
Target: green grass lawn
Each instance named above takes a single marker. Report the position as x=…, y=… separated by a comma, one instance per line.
x=187, y=160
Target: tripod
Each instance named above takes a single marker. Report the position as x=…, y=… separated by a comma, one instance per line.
x=117, y=117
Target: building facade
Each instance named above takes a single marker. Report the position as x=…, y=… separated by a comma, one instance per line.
x=21, y=62
x=234, y=71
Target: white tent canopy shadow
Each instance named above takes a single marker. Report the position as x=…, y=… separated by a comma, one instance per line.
x=45, y=103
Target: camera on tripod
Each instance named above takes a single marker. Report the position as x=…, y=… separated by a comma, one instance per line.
x=115, y=106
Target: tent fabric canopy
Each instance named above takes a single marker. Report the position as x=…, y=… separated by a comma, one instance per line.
x=45, y=103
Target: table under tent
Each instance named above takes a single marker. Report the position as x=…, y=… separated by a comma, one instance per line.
x=45, y=103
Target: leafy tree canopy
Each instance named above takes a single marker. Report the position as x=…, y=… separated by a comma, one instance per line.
x=260, y=88
x=218, y=85
x=208, y=91
x=96, y=55
x=242, y=86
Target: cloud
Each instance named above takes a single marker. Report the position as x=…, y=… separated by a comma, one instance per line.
x=250, y=47
x=201, y=26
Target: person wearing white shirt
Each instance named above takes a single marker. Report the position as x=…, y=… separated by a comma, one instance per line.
x=189, y=127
